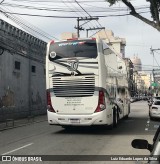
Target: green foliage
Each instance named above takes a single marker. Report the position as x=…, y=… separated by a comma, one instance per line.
x=112, y=1
x=154, y=7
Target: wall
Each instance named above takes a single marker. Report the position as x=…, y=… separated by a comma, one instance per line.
x=22, y=74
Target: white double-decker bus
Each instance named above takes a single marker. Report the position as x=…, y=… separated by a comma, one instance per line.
x=82, y=86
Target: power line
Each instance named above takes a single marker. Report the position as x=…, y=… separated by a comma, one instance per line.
x=62, y=9
x=85, y=22
x=28, y=27
x=118, y=8
x=88, y=14
x=2, y=2
x=51, y=16
x=55, y=1
x=82, y=8
x=79, y=27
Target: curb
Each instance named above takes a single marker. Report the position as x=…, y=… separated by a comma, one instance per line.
x=25, y=124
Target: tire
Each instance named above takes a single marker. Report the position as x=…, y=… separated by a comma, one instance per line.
x=126, y=117
x=110, y=127
x=115, y=118
x=149, y=114
x=151, y=118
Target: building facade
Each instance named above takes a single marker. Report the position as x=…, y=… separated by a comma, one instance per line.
x=22, y=73
x=131, y=80
x=116, y=42
x=137, y=63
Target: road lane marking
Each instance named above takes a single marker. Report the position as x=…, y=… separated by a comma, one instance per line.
x=17, y=149
x=156, y=126
x=147, y=125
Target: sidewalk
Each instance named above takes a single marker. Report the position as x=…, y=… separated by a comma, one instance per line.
x=10, y=123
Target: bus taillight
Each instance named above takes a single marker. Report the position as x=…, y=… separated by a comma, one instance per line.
x=49, y=103
x=101, y=102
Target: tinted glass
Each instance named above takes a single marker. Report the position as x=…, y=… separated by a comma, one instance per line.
x=158, y=98
x=157, y=103
x=75, y=48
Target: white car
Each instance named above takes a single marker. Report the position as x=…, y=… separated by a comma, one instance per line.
x=156, y=98
x=154, y=111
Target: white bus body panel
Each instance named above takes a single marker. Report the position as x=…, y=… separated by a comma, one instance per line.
x=99, y=118
x=80, y=110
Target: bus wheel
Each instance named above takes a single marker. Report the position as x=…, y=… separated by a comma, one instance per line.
x=126, y=117
x=115, y=118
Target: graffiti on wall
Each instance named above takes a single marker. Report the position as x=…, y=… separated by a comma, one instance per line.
x=7, y=100
x=36, y=99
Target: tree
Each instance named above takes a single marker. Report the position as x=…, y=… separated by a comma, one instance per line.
x=154, y=10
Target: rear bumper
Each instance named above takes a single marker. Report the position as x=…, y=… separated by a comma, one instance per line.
x=155, y=115
x=99, y=118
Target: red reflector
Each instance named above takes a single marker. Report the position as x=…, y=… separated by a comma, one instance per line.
x=49, y=103
x=52, y=42
x=93, y=38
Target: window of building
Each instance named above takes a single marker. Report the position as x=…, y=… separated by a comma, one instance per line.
x=17, y=65
x=33, y=69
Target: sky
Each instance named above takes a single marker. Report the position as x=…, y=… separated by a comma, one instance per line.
x=139, y=36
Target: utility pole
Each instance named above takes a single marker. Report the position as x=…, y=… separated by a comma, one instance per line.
x=79, y=27
x=153, y=71
x=152, y=52
x=90, y=29
x=153, y=75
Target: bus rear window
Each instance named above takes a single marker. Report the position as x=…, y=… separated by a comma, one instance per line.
x=75, y=48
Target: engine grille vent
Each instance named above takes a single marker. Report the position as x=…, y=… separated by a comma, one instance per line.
x=73, y=87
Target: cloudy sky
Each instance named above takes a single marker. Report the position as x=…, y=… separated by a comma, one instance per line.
x=139, y=36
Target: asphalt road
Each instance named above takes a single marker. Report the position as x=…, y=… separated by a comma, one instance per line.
x=43, y=139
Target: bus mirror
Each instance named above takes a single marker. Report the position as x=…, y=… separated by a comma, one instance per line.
x=140, y=144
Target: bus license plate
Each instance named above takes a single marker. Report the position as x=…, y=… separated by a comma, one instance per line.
x=74, y=120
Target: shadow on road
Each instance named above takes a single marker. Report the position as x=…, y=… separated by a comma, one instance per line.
x=130, y=126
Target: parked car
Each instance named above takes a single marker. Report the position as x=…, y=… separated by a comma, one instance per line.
x=152, y=99
x=156, y=98
x=154, y=110
x=153, y=148
x=133, y=99
x=145, y=98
